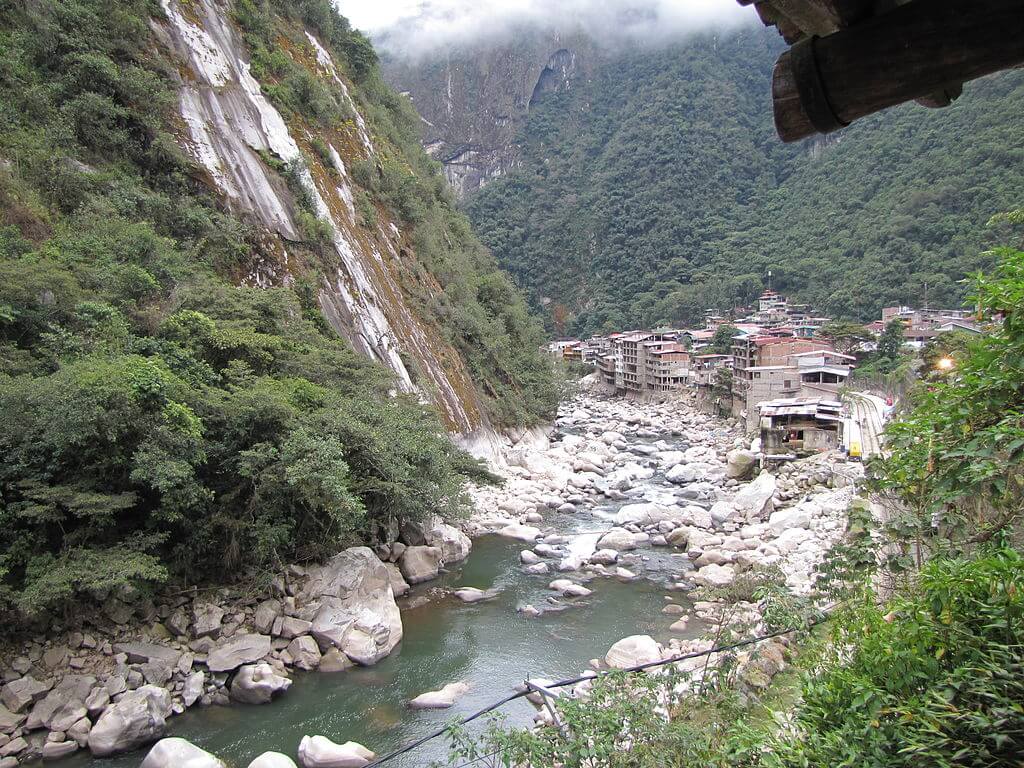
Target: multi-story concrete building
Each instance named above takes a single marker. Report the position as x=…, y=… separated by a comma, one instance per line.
x=666, y=366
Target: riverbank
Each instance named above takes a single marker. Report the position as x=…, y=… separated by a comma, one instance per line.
x=619, y=493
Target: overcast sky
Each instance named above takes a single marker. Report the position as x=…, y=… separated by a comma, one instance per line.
x=441, y=22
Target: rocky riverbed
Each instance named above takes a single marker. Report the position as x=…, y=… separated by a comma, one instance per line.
x=615, y=492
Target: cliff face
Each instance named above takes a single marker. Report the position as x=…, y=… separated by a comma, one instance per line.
x=230, y=127
x=474, y=100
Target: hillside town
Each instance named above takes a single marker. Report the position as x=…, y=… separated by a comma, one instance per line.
x=777, y=367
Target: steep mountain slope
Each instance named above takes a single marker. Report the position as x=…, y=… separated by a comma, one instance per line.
x=474, y=101
x=238, y=306
x=653, y=187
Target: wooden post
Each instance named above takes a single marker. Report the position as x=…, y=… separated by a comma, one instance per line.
x=918, y=49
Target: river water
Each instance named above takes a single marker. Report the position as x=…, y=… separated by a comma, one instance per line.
x=487, y=644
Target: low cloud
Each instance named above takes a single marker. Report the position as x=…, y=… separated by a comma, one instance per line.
x=412, y=28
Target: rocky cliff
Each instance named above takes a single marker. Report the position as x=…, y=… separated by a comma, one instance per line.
x=474, y=99
x=229, y=125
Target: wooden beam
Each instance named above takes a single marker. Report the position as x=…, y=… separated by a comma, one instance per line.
x=914, y=51
x=811, y=17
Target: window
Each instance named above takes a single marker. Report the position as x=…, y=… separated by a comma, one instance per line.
x=787, y=384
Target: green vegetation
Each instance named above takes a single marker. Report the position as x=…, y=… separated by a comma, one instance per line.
x=158, y=422
x=656, y=188
x=721, y=342
x=845, y=337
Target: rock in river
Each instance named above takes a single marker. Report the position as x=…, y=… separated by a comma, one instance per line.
x=137, y=719
x=321, y=752
x=257, y=684
x=631, y=651
x=420, y=563
x=441, y=699
x=272, y=760
x=355, y=606
x=179, y=753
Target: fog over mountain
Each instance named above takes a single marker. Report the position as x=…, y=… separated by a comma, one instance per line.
x=412, y=29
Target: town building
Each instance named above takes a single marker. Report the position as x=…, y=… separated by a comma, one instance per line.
x=793, y=427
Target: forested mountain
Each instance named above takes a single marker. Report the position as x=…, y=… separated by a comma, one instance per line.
x=653, y=186
x=238, y=305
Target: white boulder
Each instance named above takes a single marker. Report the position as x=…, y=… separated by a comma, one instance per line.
x=520, y=532
x=321, y=752
x=441, y=699
x=139, y=717
x=257, y=684
x=755, y=499
x=632, y=651
x=420, y=563
x=179, y=753
x=272, y=760
x=355, y=606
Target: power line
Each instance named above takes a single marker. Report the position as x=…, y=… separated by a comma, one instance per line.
x=574, y=680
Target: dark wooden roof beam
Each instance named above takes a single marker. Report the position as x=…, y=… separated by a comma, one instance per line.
x=922, y=50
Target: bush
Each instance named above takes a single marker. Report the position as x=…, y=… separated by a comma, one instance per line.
x=936, y=678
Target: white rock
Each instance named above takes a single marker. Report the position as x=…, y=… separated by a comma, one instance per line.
x=618, y=539
x=792, y=517
x=648, y=514
x=305, y=653
x=714, y=575
x=139, y=717
x=179, y=753
x=604, y=557
x=740, y=464
x=420, y=563
x=755, y=499
x=257, y=684
x=238, y=650
x=441, y=699
x=356, y=609
x=272, y=760
x=321, y=752
x=520, y=532
x=473, y=595
x=632, y=651
x=193, y=688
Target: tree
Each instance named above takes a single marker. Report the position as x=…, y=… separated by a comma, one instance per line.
x=890, y=343
x=845, y=337
x=721, y=342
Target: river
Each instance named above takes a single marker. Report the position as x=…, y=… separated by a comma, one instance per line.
x=487, y=644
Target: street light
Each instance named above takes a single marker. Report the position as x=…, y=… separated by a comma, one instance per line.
x=945, y=363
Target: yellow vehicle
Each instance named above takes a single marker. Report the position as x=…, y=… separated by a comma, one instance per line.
x=855, y=451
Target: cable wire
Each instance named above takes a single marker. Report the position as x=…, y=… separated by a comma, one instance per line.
x=574, y=680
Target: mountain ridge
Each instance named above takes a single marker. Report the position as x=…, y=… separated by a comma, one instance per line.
x=674, y=195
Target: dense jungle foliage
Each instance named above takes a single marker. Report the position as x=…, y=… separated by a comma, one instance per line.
x=156, y=420
x=657, y=188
